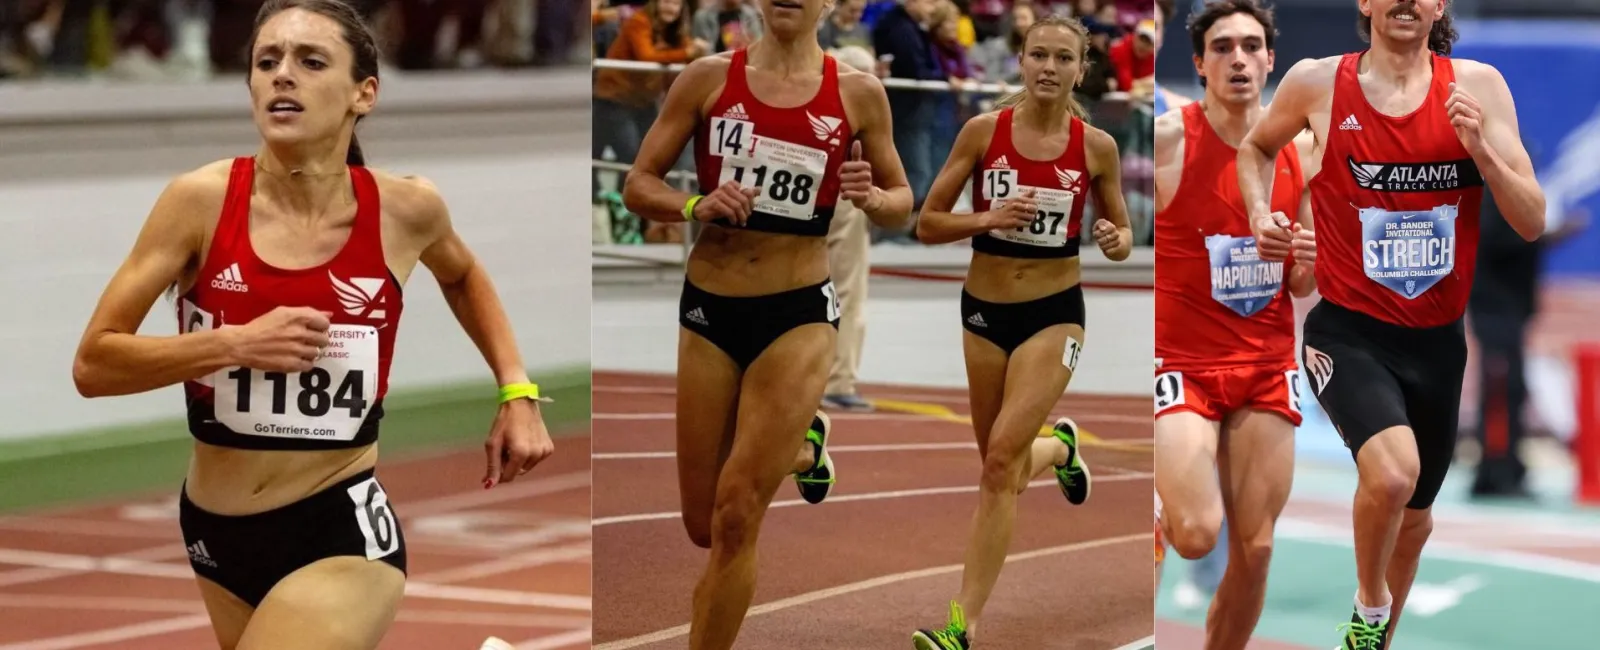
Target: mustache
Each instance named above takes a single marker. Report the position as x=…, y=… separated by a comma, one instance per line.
x=1409, y=7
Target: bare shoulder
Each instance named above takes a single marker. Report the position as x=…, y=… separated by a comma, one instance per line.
x=1310, y=77
x=862, y=85
x=414, y=201
x=1097, y=141
x=1478, y=76
x=200, y=192
x=1169, y=125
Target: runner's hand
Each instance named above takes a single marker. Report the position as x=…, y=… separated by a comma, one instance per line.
x=1305, y=247
x=729, y=201
x=286, y=339
x=1106, y=236
x=1017, y=212
x=517, y=442
x=855, y=180
x=1467, y=118
x=1272, y=237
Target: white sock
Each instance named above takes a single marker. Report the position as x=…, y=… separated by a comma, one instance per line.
x=1373, y=615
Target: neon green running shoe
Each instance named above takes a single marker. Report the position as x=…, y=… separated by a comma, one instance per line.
x=1073, y=474
x=952, y=637
x=817, y=482
x=1361, y=635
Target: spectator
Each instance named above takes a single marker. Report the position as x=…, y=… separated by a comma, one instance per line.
x=901, y=37
x=624, y=100
x=422, y=19
x=1100, y=74
x=1135, y=59
x=844, y=28
x=997, y=58
x=949, y=115
x=728, y=25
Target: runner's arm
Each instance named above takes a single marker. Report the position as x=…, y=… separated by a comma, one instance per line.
x=1302, y=278
x=1285, y=117
x=1503, y=162
x=1105, y=169
x=112, y=358
x=463, y=281
x=1169, y=156
x=891, y=201
x=937, y=224
x=645, y=192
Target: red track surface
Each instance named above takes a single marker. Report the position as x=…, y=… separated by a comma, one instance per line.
x=513, y=543
x=1088, y=587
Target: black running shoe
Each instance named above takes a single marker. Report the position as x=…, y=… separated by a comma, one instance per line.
x=1361, y=635
x=952, y=637
x=815, y=483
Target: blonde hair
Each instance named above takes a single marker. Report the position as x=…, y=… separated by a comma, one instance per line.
x=1074, y=107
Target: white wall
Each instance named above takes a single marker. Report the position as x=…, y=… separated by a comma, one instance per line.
x=516, y=185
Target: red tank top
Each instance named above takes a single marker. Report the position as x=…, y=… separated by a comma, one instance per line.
x=1217, y=304
x=1396, y=207
x=792, y=154
x=338, y=403
x=1060, y=189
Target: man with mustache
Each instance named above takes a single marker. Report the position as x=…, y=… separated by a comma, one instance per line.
x=1410, y=139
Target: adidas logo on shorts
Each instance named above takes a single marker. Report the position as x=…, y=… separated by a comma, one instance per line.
x=977, y=321
x=230, y=280
x=696, y=316
x=199, y=555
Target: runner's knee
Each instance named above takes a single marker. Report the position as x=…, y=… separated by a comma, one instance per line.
x=1388, y=474
x=736, y=513
x=1000, y=472
x=1254, y=553
x=1193, y=536
x=699, y=529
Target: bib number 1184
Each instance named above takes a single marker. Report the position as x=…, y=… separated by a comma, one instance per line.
x=313, y=397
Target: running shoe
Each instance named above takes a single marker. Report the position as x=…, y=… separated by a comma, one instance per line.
x=1073, y=474
x=847, y=402
x=1361, y=635
x=815, y=483
x=952, y=637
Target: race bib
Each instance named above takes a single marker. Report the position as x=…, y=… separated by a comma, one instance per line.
x=191, y=319
x=1240, y=279
x=788, y=175
x=327, y=402
x=1049, y=226
x=1408, y=252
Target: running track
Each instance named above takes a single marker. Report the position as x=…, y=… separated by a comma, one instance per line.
x=511, y=562
x=882, y=556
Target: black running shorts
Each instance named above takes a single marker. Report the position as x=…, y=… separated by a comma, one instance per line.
x=1370, y=375
x=744, y=327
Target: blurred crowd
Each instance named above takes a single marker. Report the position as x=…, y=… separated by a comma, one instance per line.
x=963, y=43
x=193, y=39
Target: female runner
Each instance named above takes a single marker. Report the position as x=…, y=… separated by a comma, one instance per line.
x=290, y=265
x=780, y=129
x=1031, y=166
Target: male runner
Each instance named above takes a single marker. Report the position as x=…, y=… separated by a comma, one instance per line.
x=1409, y=138
x=1226, y=384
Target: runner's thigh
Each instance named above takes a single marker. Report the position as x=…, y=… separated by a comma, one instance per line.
x=338, y=603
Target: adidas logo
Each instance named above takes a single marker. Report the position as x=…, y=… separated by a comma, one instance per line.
x=737, y=112
x=977, y=321
x=1000, y=163
x=199, y=555
x=1350, y=124
x=696, y=316
x=230, y=280
x=359, y=296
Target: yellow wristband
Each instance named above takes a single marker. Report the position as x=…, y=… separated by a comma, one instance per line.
x=688, y=208
x=523, y=390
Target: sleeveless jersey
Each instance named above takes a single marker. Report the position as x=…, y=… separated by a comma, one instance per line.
x=338, y=403
x=1218, y=305
x=1396, y=207
x=1060, y=188
x=792, y=154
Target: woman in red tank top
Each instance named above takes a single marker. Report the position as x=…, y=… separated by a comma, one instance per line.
x=1031, y=167
x=289, y=266
x=782, y=133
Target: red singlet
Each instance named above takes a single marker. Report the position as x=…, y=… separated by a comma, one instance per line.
x=1396, y=207
x=792, y=154
x=1217, y=304
x=337, y=404
x=1060, y=189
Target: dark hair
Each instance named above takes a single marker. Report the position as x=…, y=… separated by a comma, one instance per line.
x=1166, y=9
x=1216, y=10
x=1074, y=107
x=1440, y=39
x=356, y=34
